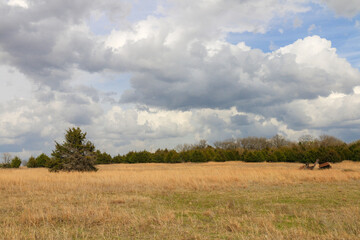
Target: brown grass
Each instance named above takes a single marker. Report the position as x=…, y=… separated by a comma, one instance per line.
x=232, y=200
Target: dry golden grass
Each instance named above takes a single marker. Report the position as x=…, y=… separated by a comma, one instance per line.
x=231, y=200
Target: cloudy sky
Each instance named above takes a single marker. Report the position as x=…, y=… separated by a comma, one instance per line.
x=148, y=74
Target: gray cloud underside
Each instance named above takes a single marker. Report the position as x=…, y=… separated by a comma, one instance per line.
x=250, y=80
x=47, y=39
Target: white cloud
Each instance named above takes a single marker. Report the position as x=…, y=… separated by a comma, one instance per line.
x=195, y=77
x=13, y=85
x=347, y=8
x=315, y=52
x=334, y=111
x=19, y=3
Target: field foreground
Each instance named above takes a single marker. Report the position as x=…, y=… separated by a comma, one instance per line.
x=232, y=200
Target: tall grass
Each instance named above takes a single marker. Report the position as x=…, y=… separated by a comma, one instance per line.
x=231, y=200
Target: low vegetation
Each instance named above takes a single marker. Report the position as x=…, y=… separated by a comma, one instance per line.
x=231, y=200
x=9, y=162
x=251, y=149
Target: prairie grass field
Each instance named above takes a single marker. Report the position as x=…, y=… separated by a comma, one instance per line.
x=232, y=200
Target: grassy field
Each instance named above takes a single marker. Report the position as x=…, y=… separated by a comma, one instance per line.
x=232, y=200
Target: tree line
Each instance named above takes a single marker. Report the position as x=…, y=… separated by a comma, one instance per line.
x=250, y=149
x=10, y=162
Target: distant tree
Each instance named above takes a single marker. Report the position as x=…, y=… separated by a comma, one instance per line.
x=253, y=156
x=185, y=156
x=103, y=158
x=74, y=154
x=197, y=156
x=159, y=156
x=42, y=160
x=308, y=140
x=311, y=155
x=278, y=141
x=254, y=143
x=130, y=157
x=118, y=159
x=31, y=163
x=15, y=162
x=201, y=145
x=172, y=157
x=6, y=160
x=280, y=156
x=329, y=141
x=183, y=147
x=271, y=156
x=142, y=157
x=228, y=144
x=219, y=156
x=329, y=155
x=293, y=154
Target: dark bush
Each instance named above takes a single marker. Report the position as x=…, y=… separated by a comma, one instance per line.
x=103, y=158
x=32, y=163
x=15, y=162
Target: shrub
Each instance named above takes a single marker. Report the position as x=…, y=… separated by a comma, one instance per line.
x=253, y=156
x=280, y=156
x=197, y=156
x=118, y=159
x=15, y=162
x=42, y=160
x=103, y=158
x=329, y=155
x=172, y=157
x=31, y=162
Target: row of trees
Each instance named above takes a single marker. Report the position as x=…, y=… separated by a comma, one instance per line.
x=252, y=149
x=78, y=154
x=292, y=153
x=9, y=162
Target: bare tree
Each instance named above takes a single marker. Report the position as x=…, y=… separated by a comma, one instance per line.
x=278, y=141
x=255, y=143
x=228, y=144
x=202, y=144
x=6, y=158
x=328, y=141
x=308, y=141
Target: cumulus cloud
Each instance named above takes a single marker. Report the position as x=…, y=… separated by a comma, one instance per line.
x=124, y=129
x=187, y=82
x=248, y=79
x=46, y=39
x=32, y=123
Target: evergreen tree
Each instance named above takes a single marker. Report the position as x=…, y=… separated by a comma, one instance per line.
x=75, y=154
x=42, y=160
x=103, y=158
x=31, y=163
x=15, y=162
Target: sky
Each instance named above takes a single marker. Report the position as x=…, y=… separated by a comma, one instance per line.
x=142, y=75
